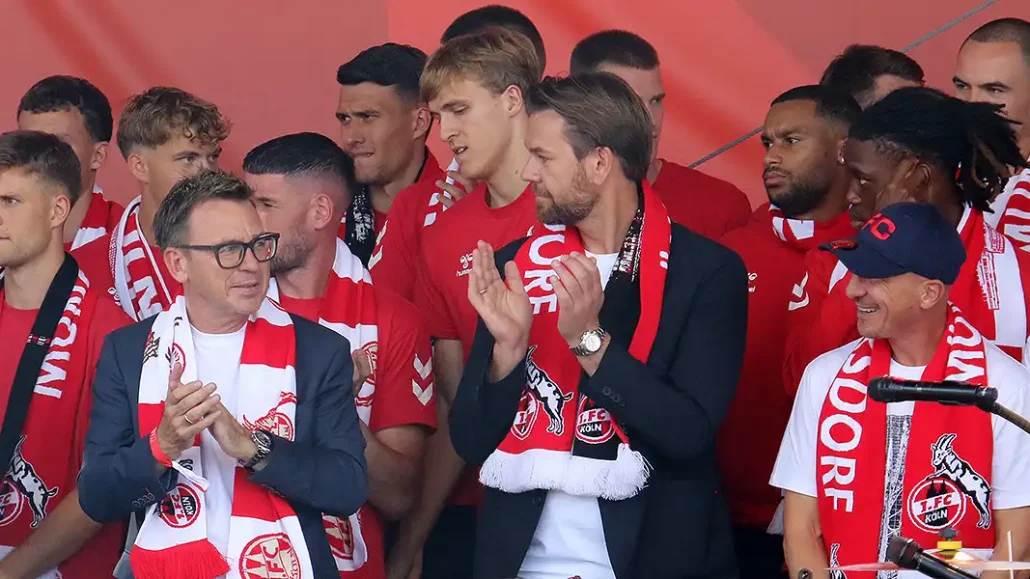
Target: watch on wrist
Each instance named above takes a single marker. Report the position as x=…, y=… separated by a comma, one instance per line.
x=590, y=342
x=263, y=441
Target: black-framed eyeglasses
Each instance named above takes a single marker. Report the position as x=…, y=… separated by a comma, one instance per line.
x=230, y=255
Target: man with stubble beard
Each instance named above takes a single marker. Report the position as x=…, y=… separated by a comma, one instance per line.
x=804, y=135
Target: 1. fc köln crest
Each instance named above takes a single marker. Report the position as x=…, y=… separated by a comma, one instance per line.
x=270, y=556
x=943, y=498
x=275, y=421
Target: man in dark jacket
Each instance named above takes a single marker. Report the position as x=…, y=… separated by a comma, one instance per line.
x=604, y=361
x=228, y=422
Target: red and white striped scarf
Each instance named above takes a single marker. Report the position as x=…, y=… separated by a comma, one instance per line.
x=265, y=537
x=947, y=466
x=141, y=289
x=991, y=286
x=436, y=204
x=94, y=223
x=806, y=234
x=349, y=309
x=1011, y=210
x=560, y=439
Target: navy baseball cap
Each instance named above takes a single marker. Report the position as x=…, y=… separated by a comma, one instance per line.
x=904, y=238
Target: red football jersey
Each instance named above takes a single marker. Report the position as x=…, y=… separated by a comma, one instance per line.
x=429, y=174
x=101, y=551
x=749, y=438
x=404, y=393
x=94, y=260
x=399, y=243
x=101, y=219
x=701, y=203
x=442, y=292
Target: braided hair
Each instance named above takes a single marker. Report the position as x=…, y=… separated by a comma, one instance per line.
x=971, y=141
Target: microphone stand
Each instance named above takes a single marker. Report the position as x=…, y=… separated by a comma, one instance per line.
x=1013, y=418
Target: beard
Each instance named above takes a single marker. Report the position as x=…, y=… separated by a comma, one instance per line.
x=803, y=196
x=291, y=253
x=580, y=202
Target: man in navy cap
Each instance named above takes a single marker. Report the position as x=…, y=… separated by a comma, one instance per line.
x=858, y=472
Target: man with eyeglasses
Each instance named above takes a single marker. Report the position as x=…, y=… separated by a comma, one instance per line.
x=224, y=424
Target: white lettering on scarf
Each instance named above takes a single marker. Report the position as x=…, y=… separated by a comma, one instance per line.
x=842, y=469
x=540, y=278
x=969, y=338
x=67, y=329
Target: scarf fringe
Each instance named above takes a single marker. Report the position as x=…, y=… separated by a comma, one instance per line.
x=612, y=480
x=194, y=560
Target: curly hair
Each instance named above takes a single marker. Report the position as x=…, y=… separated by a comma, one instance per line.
x=152, y=118
x=970, y=143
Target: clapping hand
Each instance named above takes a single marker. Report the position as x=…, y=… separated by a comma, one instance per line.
x=580, y=295
x=362, y=368
x=232, y=437
x=504, y=307
x=189, y=409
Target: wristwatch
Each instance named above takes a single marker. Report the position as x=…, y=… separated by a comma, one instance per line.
x=263, y=442
x=590, y=342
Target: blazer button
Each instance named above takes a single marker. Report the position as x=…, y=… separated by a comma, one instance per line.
x=606, y=391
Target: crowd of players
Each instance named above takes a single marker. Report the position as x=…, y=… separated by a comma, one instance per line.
x=838, y=154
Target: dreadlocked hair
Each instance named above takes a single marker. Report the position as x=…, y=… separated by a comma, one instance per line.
x=971, y=141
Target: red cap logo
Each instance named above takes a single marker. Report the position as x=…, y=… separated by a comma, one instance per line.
x=881, y=227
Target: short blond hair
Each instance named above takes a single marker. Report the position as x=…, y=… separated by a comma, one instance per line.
x=495, y=57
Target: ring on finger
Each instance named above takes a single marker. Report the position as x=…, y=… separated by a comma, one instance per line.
x=186, y=417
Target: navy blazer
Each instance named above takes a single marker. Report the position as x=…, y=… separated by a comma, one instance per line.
x=678, y=526
x=321, y=471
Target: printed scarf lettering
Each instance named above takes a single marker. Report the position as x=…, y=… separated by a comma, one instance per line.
x=38, y=478
x=947, y=468
x=265, y=538
x=349, y=309
x=560, y=439
x=990, y=288
x=141, y=289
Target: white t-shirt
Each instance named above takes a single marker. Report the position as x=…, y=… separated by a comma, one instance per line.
x=569, y=538
x=795, y=468
x=218, y=362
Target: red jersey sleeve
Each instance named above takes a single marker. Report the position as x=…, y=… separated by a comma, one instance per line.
x=396, y=254
x=404, y=381
x=429, y=297
x=107, y=317
x=738, y=208
x=806, y=298
x=828, y=320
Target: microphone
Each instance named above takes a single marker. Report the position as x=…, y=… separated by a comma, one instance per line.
x=905, y=553
x=887, y=389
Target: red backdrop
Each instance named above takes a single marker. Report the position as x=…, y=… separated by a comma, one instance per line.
x=271, y=65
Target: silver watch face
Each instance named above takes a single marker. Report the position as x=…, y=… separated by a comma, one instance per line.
x=591, y=341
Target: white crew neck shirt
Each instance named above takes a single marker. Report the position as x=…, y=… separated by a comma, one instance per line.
x=218, y=362
x=796, y=468
x=569, y=538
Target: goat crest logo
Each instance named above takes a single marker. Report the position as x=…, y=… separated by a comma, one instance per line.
x=941, y=499
x=150, y=350
x=275, y=421
x=23, y=486
x=835, y=562
x=547, y=392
